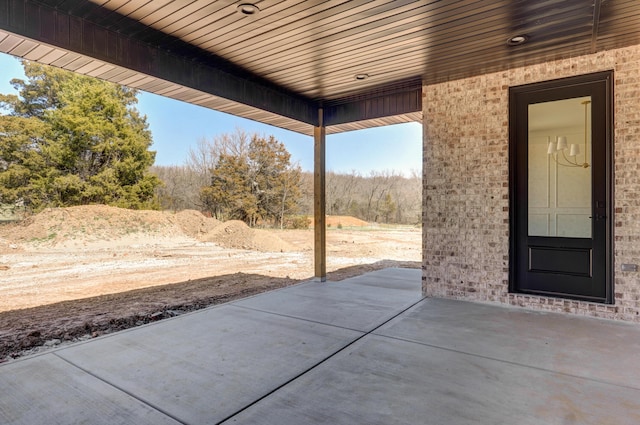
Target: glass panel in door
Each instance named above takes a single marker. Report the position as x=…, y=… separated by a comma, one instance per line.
x=559, y=168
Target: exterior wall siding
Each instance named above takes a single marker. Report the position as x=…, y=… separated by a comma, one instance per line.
x=466, y=185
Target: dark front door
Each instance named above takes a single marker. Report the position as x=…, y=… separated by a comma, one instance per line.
x=560, y=194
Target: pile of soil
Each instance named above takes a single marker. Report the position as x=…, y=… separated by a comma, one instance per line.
x=69, y=274
x=342, y=220
x=345, y=220
x=236, y=234
x=103, y=226
x=194, y=224
x=89, y=224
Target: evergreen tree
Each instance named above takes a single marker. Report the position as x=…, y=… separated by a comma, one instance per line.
x=230, y=196
x=73, y=140
x=21, y=159
x=258, y=183
x=387, y=208
x=276, y=183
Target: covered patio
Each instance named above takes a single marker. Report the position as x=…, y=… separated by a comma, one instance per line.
x=368, y=350
x=319, y=68
x=374, y=349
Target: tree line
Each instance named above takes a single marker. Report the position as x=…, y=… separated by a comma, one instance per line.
x=380, y=197
x=68, y=139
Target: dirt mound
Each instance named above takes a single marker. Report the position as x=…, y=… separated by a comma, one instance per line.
x=104, y=226
x=90, y=223
x=236, y=234
x=230, y=234
x=342, y=220
x=194, y=224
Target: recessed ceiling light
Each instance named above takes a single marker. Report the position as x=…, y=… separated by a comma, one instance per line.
x=517, y=40
x=248, y=9
x=361, y=77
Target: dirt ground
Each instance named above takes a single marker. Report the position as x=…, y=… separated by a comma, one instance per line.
x=76, y=273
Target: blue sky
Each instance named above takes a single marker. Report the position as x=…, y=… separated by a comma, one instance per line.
x=176, y=126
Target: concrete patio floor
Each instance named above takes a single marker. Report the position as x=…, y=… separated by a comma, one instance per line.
x=367, y=350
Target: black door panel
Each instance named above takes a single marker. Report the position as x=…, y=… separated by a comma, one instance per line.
x=561, y=231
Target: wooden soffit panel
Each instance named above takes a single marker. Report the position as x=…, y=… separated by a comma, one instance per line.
x=359, y=59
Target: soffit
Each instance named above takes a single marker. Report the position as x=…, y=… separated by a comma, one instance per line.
x=309, y=52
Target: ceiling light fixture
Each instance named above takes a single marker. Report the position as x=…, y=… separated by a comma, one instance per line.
x=248, y=9
x=561, y=146
x=361, y=77
x=517, y=40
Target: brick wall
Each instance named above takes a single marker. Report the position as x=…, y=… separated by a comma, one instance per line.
x=466, y=186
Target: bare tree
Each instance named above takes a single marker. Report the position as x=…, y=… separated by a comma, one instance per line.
x=341, y=190
x=381, y=196
x=252, y=179
x=204, y=157
x=180, y=187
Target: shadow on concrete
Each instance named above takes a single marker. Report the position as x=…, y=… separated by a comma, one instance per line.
x=32, y=330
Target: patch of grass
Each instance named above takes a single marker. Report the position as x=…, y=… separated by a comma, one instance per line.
x=49, y=237
x=374, y=227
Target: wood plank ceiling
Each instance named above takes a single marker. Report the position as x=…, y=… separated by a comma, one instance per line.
x=363, y=60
